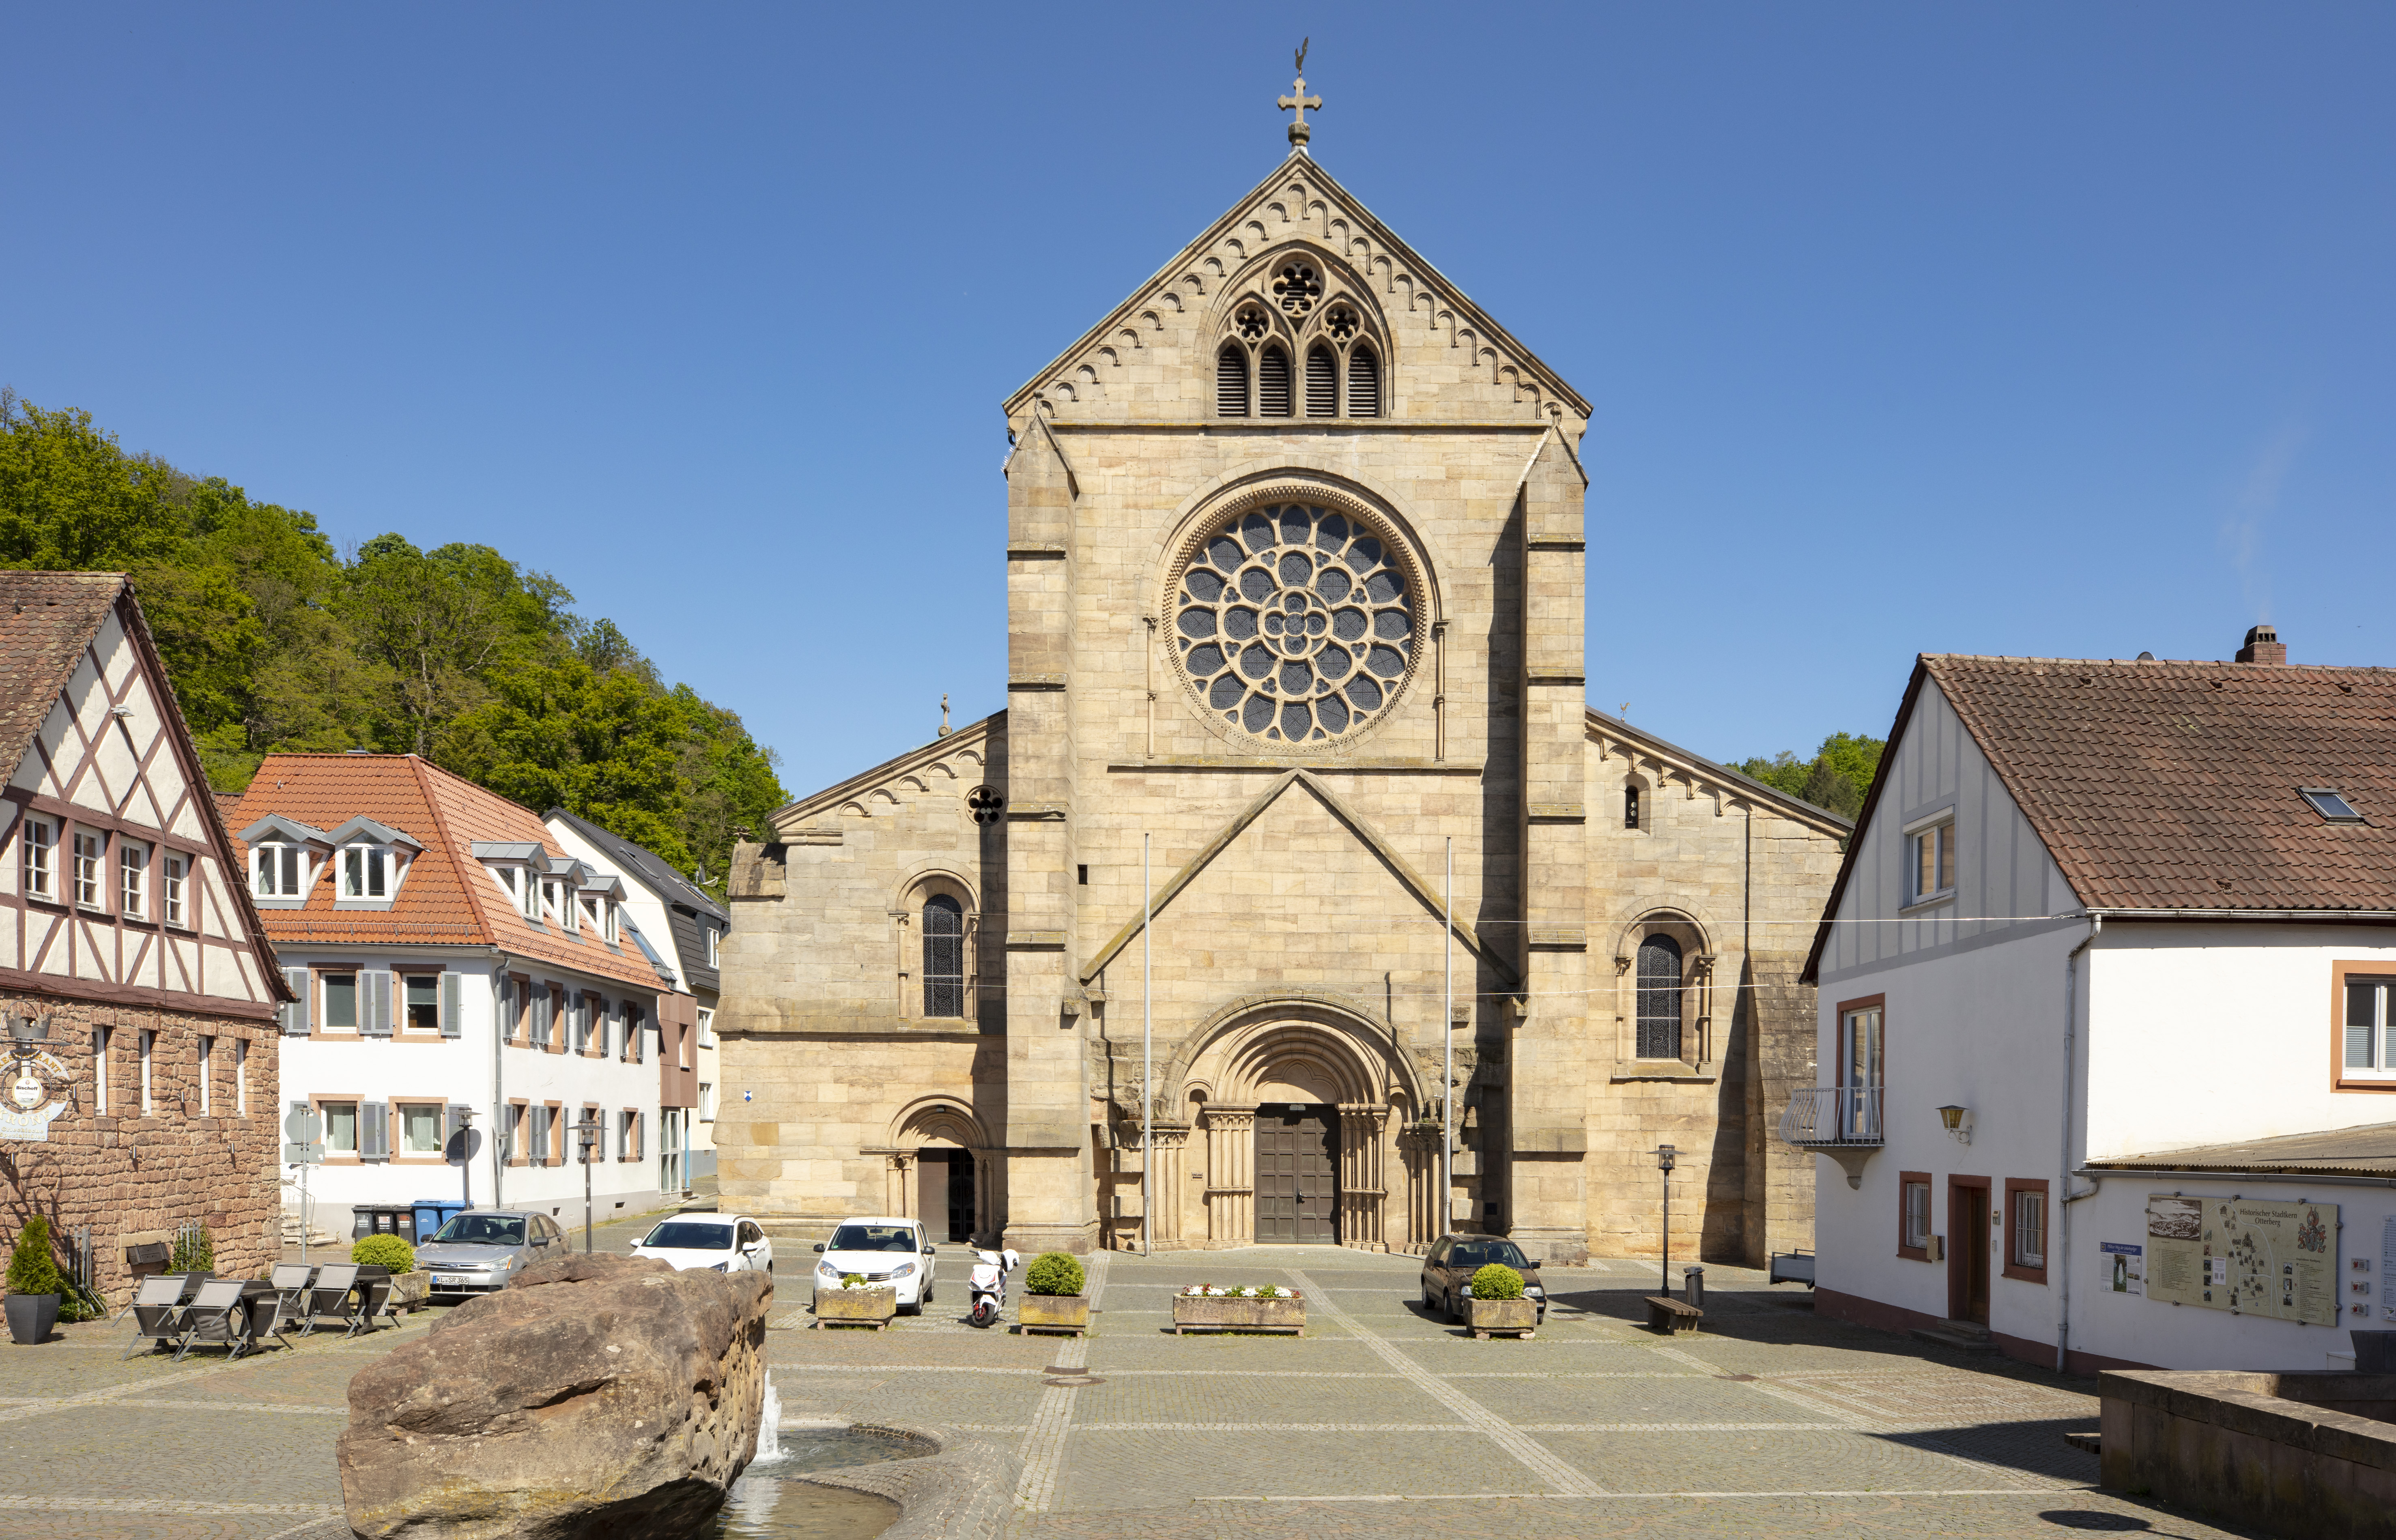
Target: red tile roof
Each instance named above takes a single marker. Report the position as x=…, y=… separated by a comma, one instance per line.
x=448, y=898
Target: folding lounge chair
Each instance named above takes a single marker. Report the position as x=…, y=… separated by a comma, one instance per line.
x=157, y=1310
x=289, y=1281
x=329, y=1295
x=374, y=1299
x=220, y=1314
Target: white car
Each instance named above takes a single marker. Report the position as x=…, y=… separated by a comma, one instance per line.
x=882, y=1248
x=721, y=1242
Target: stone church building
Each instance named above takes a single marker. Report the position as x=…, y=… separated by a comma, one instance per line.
x=1297, y=579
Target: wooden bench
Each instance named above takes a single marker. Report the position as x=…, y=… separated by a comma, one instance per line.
x=1667, y=1314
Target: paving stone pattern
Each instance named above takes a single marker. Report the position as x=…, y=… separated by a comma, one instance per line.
x=1379, y=1421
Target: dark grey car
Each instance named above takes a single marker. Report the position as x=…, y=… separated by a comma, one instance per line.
x=1449, y=1265
x=479, y=1250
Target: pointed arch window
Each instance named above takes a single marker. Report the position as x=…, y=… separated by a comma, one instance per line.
x=1363, y=383
x=1659, y=997
x=944, y=956
x=1322, y=382
x=1232, y=381
x=1273, y=383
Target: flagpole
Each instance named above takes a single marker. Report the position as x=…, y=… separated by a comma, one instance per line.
x=1147, y=1048
x=1447, y=1051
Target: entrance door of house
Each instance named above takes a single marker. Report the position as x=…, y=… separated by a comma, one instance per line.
x=944, y=1193
x=1297, y=1181
x=1967, y=1252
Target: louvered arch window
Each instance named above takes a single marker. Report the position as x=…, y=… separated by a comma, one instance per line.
x=1273, y=383
x=944, y=956
x=1659, y=997
x=1322, y=383
x=1364, y=383
x=1232, y=381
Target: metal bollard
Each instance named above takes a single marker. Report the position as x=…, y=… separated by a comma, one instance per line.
x=1692, y=1287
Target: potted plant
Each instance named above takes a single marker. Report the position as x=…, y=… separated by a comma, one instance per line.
x=857, y=1303
x=1497, y=1304
x=34, y=1284
x=1265, y=1308
x=1052, y=1299
x=409, y=1288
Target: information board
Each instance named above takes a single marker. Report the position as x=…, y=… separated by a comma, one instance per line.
x=2237, y=1254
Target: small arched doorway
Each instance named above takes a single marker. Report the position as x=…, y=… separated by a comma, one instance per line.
x=941, y=1168
x=944, y=1191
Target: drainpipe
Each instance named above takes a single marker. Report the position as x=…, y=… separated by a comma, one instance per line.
x=2063, y=1183
x=499, y=1089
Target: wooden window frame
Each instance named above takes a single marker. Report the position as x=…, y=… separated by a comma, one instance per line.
x=316, y=1100
x=2338, y=969
x=2045, y=1191
x=1929, y=1187
x=399, y=1131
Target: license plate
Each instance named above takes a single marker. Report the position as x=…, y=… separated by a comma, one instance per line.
x=448, y=1280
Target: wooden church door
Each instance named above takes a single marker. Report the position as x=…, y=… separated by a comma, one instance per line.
x=1297, y=1182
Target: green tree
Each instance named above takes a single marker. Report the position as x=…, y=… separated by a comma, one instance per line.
x=1837, y=776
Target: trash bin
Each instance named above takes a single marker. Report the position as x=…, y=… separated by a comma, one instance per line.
x=1693, y=1287
x=366, y=1221
x=433, y=1212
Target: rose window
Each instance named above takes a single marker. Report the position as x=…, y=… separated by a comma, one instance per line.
x=1295, y=623
x=1297, y=288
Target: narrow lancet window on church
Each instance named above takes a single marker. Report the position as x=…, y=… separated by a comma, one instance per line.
x=1631, y=808
x=1232, y=381
x=1659, y=997
x=1273, y=383
x=944, y=957
x=1322, y=383
x=1364, y=383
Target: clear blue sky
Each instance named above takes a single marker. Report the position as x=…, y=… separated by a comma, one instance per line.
x=2024, y=329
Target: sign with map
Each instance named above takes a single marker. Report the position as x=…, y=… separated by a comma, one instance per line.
x=2236, y=1253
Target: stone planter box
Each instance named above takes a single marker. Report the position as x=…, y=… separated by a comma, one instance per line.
x=1059, y=1313
x=2286, y=1454
x=410, y=1290
x=1506, y=1317
x=868, y=1307
x=1206, y=1313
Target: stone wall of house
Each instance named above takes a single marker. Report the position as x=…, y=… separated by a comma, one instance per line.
x=132, y=1176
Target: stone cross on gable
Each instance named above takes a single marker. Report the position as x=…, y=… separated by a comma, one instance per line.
x=1298, y=132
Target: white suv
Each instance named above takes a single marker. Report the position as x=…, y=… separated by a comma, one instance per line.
x=882, y=1248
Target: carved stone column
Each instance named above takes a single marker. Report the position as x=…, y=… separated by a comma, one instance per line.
x=1362, y=1191
x=903, y=1185
x=1169, y=1143
x=1418, y=1144
x=1231, y=1176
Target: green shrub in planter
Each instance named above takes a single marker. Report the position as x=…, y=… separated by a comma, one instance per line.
x=194, y=1252
x=384, y=1251
x=1497, y=1282
x=1053, y=1273
x=32, y=1271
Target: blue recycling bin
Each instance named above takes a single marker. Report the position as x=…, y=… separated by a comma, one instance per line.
x=433, y=1212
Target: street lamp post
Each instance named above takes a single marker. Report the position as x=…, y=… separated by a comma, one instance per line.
x=587, y=1131
x=1664, y=1154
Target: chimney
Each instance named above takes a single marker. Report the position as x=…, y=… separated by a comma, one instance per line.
x=2263, y=646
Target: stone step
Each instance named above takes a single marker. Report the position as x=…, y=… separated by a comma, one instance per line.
x=1964, y=1336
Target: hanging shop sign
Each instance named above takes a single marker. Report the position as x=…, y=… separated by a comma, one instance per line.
x=2236, y=1253
x=36, y=1096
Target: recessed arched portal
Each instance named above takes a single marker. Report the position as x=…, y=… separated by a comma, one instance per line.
x=940, y=1169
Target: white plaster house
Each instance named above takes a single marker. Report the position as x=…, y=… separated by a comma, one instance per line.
x=681, y=930
x=2129, y=924
x=453, y=968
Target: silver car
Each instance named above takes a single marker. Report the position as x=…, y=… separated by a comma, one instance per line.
x=479, y=1250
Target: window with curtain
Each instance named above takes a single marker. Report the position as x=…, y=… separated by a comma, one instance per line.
x=944, y=957
x=1659, y=997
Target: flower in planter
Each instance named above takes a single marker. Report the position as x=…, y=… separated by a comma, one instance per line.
x=1270, y=1291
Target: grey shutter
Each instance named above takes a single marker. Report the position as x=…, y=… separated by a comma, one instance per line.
x=581, y=1023
x=295, y=1015
x=374, y=1131
x=542, y=1001
x=374, y=1003
x=453, y=994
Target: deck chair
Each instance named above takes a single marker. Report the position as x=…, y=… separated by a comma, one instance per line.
x=289, y=1281
x=220, y=1313
x=374, y=1299
x=156, y=1310
x=329, y=1295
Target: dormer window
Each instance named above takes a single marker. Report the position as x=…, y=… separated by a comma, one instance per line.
x=276, y=872
x=371, y=861
x=552, y=902
x=365, y=873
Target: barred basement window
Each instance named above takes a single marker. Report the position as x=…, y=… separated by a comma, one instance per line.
x=1232, y=381
x=1322, y=383
x=1273, y=383
x=944, y=957
x=1659, y=997
x=1364, y=383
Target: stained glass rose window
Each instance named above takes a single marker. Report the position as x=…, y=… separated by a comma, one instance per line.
x=1295, y=623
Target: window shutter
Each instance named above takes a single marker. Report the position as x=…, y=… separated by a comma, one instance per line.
x=374, y=1131
x=1232, y=381
x=453, y=1145
x=1273, y=383
x=1364, y=383
x=539, y=1140
x=374, y=1001
x=1322, y=383
x=541, y=1016
x=639, y=1029
x=295, y=1015
x=453, y=994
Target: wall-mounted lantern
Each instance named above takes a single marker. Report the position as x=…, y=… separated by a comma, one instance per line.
x=1951, y=1118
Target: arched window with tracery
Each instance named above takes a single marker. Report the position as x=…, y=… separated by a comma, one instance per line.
x=1322, y=382
x=1364, y=383
x=944, y=956
x=1659, y=997
x=1232, y=381
x=1273, y=383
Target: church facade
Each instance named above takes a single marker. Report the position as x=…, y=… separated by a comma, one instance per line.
x=1296, y=578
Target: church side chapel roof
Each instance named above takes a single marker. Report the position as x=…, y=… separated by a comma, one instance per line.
x=1704, y=776
x=447, y=899
x=1146, y=360
x=957, y=761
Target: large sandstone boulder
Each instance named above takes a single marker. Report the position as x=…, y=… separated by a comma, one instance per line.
x=593, y=1396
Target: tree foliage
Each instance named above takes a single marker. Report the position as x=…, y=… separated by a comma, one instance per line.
x=1837, y=776
x=276, y=641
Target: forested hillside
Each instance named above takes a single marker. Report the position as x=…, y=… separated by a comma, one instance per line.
x=279, y=642
x=1836, y=777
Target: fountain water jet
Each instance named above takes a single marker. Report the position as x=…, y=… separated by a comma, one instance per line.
x=769, y=1424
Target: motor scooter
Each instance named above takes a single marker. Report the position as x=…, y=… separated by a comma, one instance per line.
x=986, y=1283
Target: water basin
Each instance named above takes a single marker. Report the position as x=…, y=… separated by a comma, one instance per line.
x=767, y=1504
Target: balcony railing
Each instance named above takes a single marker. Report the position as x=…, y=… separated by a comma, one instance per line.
x=1831, y=1116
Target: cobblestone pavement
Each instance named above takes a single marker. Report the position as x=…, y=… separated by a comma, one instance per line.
x=1379, y=1421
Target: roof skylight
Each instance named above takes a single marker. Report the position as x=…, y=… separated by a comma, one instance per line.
x=2331, y=805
